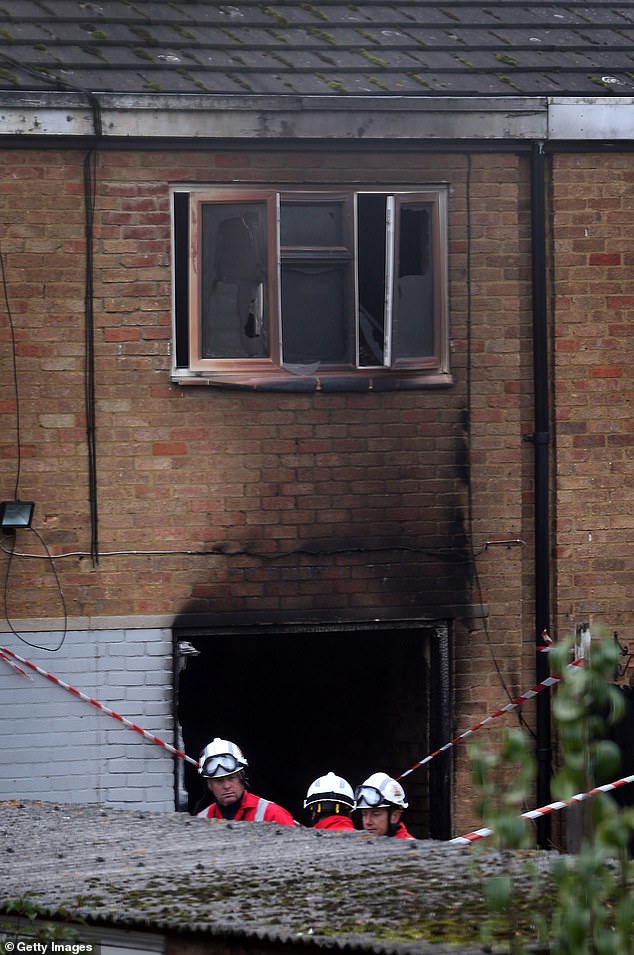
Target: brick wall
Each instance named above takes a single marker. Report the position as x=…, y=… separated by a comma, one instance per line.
x=594, y=333
x=356, y=505
x=297, y=502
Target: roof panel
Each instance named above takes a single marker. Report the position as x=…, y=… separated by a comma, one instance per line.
x=460, y=47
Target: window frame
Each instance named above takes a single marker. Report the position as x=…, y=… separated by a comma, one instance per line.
x=230, y=366
x=271, y=371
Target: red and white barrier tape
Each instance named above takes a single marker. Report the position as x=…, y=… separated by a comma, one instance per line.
x=546, y=644
x=545, y=810
x=4, y=651
x=14, y=666
x=528, y=695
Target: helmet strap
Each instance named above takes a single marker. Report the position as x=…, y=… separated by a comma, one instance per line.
x=391, y=826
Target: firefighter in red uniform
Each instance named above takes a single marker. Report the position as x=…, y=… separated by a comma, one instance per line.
x=222, y=766
x=381, y=800
x=330, y=801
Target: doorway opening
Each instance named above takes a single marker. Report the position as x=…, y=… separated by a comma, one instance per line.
x=300, y=702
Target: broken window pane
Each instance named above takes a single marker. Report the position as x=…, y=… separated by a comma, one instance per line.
x=234, y=287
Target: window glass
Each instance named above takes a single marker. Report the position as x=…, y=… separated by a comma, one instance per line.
x=371, y=270
x=314, y=326
x=233, y=280
x=311, y=224
x=413, y=304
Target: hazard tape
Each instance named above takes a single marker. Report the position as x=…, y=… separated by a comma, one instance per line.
x=545, y=810
x=546, y=644
x=14, y=666
x=4, y=651
x=528, y=695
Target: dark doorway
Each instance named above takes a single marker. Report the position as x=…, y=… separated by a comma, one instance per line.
x=300, y=704
x=623, y=735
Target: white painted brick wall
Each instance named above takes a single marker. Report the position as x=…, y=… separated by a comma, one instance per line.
x=55, y=746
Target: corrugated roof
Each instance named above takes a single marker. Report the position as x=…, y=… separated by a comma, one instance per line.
x=461, y=48
x=171, y=873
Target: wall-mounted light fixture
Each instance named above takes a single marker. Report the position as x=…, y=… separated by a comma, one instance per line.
x=15, y=514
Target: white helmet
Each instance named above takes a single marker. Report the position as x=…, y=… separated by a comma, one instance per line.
x=380, y=791
x=329, y=788
x=221, y=757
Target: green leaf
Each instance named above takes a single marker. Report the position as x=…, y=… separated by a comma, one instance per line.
x=497, y=892
x=567, y=710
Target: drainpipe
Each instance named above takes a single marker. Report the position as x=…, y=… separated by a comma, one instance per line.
x=541, y=442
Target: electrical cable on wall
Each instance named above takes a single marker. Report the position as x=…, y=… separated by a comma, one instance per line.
x=5, y=598
x=225, y=550
x=90, y=179
x=14, y=369
x=89, y=346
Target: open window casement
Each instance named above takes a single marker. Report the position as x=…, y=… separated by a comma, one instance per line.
x=310, y=283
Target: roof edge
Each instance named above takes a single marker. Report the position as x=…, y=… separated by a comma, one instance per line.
x=210, y=118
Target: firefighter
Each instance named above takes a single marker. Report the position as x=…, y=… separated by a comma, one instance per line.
x=223, y=766
x=330, y=801
x=381, y=800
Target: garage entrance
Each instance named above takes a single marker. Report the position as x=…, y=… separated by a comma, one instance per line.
x=303, y=701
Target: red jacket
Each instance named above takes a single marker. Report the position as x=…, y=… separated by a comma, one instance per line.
x=401, y=832
x=248, y=810
x=335, y=822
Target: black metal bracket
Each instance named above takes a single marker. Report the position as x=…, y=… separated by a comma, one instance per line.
x=624, y=652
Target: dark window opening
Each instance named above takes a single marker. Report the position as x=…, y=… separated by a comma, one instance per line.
x=181, y=285
x=303, y=704
x=371, y=265
x=414, y=299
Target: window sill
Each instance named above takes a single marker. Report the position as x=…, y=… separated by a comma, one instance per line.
x=370, y=380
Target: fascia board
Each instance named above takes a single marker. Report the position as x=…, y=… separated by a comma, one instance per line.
x=208, y=118
x=587, y=118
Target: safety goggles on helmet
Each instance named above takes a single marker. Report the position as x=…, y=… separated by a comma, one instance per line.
x=369, y=797
x=222, y=765
x=221, y=757
x=380, y=790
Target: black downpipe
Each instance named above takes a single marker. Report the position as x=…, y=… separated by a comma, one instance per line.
x=541, y=440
